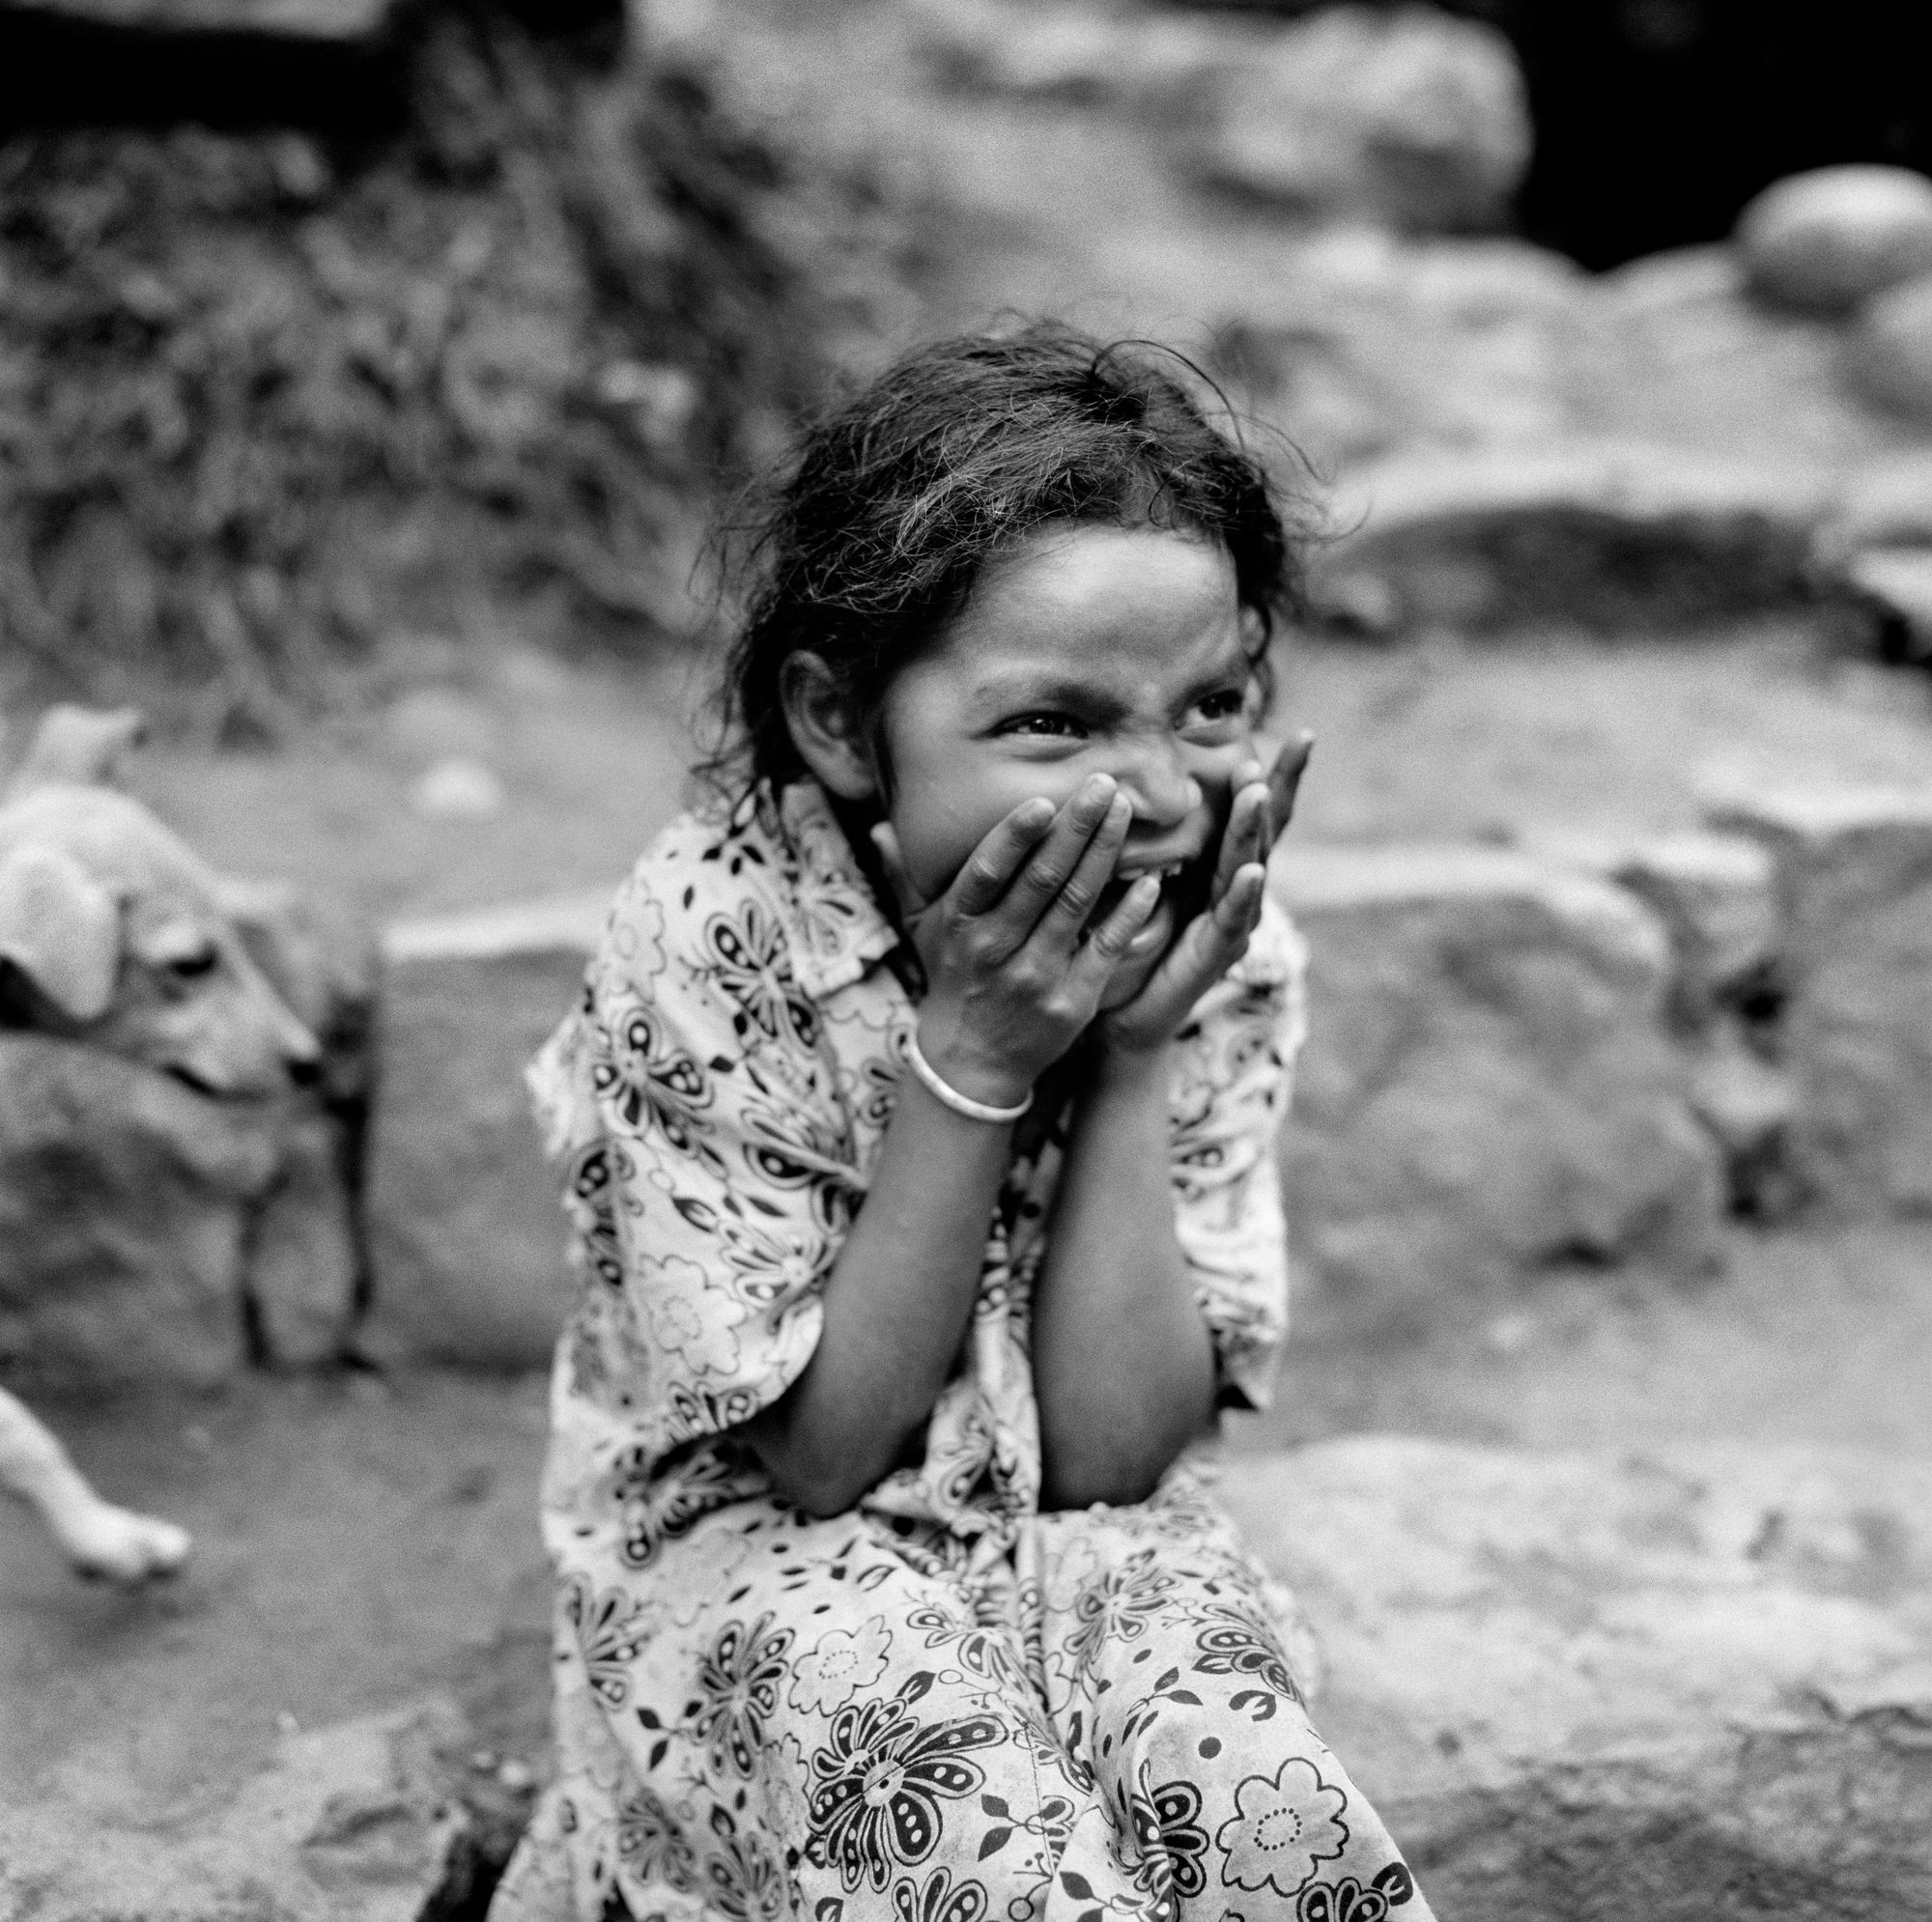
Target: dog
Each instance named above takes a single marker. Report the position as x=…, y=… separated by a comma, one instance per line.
x=113, y=935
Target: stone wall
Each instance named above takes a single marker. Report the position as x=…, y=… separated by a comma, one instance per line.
x=1569, y=1053
x=1557, y=1055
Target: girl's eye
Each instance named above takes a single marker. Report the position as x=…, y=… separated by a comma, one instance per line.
x=1226, y=704
x=1045, y=724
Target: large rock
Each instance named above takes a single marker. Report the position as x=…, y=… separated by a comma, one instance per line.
x=1692, y=1683
x=1855, y=885
x=1364, y=344
x=1828, y=240
x=153, y=1233
x=1403, y=115
x=465, y=1228
x=1873, y=558
x=362, y=1822
x=1488, y=1086
x=1889, y=351
x=1611, y=535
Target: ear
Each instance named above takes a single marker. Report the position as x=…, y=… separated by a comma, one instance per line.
x=61, y=929
x=79, y=745
x=823, y=730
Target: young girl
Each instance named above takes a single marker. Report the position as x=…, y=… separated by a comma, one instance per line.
x=917, y=1128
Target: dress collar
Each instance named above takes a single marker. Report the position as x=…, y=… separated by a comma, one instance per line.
x=840, y=931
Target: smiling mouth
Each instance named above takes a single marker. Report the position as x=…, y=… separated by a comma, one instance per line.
x=1179, y=881
x=207, y=1089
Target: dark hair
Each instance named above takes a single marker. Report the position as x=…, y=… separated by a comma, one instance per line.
x=904, y=491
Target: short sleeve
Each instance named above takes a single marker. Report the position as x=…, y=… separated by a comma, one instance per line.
x=706, y=1162
x=1231, y=1092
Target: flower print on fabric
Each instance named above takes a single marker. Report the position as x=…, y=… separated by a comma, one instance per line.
x=839, y=1664
x=693, y=1320
x=1118, y=1606
x=745, y=1880
x=738, y=1685
x=879, y=1782
x=1283, y=1828
x=940, y=1899
x=651, y=1846
x=655, y=1509
x=610, y=1630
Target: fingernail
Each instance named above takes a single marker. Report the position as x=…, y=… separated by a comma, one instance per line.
x=1098, y=785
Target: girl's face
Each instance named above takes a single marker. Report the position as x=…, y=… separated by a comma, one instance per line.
x=1088, y=650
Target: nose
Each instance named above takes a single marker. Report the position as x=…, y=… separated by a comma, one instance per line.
x=1156, y=780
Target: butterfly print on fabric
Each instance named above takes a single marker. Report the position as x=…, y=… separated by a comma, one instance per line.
x=878, y=1783
x=1347, y=1901
x=651, y=1082
x=1233, y=1642
x=745, y=957
x=738, y=1684
x=1172, y=1843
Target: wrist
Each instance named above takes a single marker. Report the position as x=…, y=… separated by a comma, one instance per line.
x=971, y=1071
x=1134, y=1064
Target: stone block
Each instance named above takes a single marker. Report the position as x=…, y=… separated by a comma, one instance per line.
x=1608, y=535
x=1487, y=1086
x=1405, y=116
x=466, y=1233
x=1854, y=870
x=1715, y=895
x=1686, y=1683
x=359, y=1821
x=1889, y=351
x=1364, y=344
x=1829, y=239
x=155, y=1234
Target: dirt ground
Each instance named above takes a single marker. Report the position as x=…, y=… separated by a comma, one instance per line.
x=359, y=1539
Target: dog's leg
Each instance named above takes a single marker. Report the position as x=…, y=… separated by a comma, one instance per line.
x=97, y=1537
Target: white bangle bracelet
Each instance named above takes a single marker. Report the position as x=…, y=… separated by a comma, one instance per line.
x=942, y=1090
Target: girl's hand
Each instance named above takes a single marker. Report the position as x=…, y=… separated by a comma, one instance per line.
x=1216, y=938
x=1010, y=980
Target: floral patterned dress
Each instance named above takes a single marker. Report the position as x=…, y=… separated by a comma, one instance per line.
x=945, y=1706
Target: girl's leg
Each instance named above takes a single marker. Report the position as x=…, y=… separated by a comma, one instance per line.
x=814, y=1725
x=1165, y=1672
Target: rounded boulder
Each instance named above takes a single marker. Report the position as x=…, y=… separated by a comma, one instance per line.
x=1828, y=240
x=1889, y=351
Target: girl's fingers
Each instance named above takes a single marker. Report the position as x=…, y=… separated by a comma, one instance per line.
x=1239, y=911
x=1284, y=779
x=1208, y=947
x=1107, y=946
x=1060, y=855
x=983, y=880
x=1071, y=909
x=1245, y=837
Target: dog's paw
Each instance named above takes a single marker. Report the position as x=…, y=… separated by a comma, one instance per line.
x=113, y=1544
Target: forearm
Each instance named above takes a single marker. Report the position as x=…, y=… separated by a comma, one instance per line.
x=896, y=1306
x=1124, y=1365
